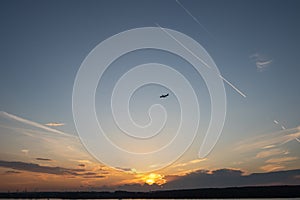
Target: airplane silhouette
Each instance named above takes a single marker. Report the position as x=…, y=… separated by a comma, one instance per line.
x=164, y=95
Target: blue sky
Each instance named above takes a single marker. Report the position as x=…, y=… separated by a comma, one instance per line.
x=255, y=45
x=43, y=46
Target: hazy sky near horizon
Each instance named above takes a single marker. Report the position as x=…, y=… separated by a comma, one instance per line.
x=255, y=45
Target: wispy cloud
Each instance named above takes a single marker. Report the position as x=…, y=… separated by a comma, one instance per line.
x=275, y=139
x=54, y=124
x=271, y=152
x=272, y=167
x=268, y=147
x=261, y=62
x=26, y=151
x=44, y=159
x=189, y=162
x=31, y=123
x=262, y=65
x=271, y=149
x=281, y=160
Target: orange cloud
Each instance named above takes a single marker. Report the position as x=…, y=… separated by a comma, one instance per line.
x=272, y=167
x=272, y=152
x=280, y=160
x=54, y=124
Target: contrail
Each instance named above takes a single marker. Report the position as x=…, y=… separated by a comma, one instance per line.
x=235, y=88
x=203, y=62
x=297, y=140
x=194, y=18
x=35, y=124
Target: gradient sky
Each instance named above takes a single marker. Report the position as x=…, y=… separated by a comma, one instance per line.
x=255, y=45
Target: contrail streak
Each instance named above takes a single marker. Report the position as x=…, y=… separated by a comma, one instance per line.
x=194, y=18
x=297, y=140
x=203, y=62
x=234, y=87
x=35, y=124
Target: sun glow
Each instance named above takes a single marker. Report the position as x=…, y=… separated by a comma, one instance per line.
x=154, y=178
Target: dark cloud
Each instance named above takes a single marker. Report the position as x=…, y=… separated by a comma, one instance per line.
x=32, y=167
x=219, y=178
x=12, y=172
x=232, y=178
x=92, y=175
x=38, y=168
x=89, y=173
x=81, y=165
x=124, y=169
x=44, y=159
x=95, y=176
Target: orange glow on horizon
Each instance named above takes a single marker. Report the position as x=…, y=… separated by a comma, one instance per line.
x=154, y=179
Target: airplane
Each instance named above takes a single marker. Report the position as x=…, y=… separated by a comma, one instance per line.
x=164, y=95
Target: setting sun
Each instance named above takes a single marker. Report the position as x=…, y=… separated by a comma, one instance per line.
x=149, y=99
x=154, y=178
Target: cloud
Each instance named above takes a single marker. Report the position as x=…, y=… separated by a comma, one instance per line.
x=262, y=65
x=83, y=161
x=12, y=172
x=271, y=152
x=275, y=139
x=281, y=160
x=92, y=175
x=268, y=147
x=31, y=123
x=95, y=176
x=220, y=178
x=190, y=162
x=32, y=167
x=26, y=151
x=272, y=167
x=81, y=165
x=232, y=177
x=261, y=62
x=44, y=159
x=126, y=169
x=54, y=124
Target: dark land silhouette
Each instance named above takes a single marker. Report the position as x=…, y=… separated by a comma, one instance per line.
x=232, y=192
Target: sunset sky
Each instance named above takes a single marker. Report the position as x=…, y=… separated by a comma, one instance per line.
x=255, y=45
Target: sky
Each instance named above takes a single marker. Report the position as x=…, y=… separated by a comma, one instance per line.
x=254, y=45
